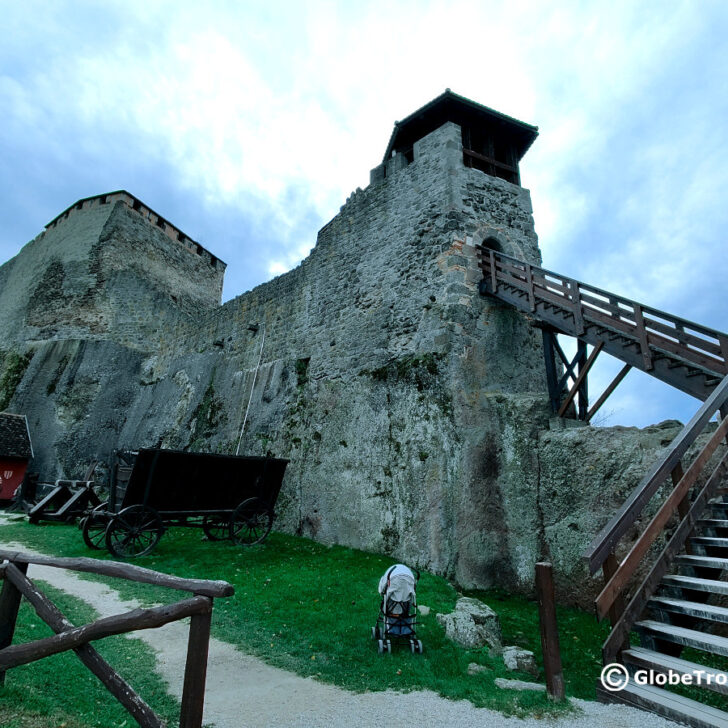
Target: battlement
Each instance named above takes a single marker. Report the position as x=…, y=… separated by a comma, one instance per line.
x=134, y=203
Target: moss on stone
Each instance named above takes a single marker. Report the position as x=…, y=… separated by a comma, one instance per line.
x=14, y=367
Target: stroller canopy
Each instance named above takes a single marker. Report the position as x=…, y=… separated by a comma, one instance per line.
x=398, y=583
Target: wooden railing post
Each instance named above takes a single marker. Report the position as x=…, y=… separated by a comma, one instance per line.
x=609, y=569
x=193, y=692
x=531, y=292
x=549, y=631
x=576, y=306
x=684, y=505
x=493, y=273
x=9, y=604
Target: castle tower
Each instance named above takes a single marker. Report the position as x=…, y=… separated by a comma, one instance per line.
x=408, y=404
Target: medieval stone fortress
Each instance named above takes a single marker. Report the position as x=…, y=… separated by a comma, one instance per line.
x=417, y=413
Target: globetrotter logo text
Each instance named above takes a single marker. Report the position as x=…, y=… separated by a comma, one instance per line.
x=616, y=677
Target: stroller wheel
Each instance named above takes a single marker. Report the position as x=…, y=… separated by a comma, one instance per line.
x=376, y=634
x=380, y=646
x=389, y=646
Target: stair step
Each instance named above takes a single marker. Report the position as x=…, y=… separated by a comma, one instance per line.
x=713, y=523
x=667, y=704
x=682, y=636
x=714, y=541
x=708, y=562
x=692, y=582
x=692, y=609
x=712, y=679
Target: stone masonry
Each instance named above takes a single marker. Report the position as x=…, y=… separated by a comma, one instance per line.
x=413, y=410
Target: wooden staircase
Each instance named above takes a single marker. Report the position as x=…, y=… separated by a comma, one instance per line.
x=664, y=554
x=687, y=356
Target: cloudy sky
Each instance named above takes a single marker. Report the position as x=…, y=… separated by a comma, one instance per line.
x=247, y=124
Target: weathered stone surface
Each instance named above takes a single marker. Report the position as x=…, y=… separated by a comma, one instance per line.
x=516, y=658
x=474, y=668
x=414, y=411
x=520, y=685
x=473, y=624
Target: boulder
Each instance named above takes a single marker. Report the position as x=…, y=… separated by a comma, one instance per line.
x=474, y=668
x=473, y=624
x=516, y=658
x=505, y=684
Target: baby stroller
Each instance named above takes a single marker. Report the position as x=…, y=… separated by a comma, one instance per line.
x=397, y=620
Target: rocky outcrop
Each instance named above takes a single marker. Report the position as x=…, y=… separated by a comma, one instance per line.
x=472, y=624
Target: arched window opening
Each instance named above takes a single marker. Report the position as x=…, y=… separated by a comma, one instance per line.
x=492, y=243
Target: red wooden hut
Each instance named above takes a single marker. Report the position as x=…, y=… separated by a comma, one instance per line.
x=16, y=451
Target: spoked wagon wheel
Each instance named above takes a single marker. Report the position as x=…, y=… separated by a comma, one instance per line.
x=251, y=522
x=94, y=527
x=216, y=528
x=135, y=531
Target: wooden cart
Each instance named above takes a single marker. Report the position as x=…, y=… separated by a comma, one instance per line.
x=229, y=497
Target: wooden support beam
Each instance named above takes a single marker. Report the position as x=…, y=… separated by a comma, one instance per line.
x=114, y=683
x=124, y=571
x=148, y=618
x=193, y=692
x=608, y=391
x=552, y=377
x=549, y=631
x=642, y=334
x=580, y=378
x=493, y=273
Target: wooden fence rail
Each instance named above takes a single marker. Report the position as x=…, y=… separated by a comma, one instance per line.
x=16, y=585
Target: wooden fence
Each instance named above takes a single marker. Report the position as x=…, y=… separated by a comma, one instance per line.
x=69, y=637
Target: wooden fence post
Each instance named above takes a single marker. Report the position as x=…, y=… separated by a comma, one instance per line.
x=193, y=692
x=549, y=631
x=9, y=605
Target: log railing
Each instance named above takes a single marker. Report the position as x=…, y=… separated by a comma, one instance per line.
x=602, y=551
x=69, y=637
x=649, y=328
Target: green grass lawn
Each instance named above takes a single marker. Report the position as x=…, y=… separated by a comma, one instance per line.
x=309, y=608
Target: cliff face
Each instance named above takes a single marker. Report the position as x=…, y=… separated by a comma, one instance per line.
x=412, y=409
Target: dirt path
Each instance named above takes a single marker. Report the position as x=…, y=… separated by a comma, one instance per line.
x=244, y=692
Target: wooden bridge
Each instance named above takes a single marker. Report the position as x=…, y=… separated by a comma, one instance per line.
x=664, y=592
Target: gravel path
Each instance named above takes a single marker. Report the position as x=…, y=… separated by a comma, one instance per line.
x=243, y=692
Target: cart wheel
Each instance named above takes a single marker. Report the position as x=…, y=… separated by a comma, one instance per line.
x=135, y=531
x=94, y=527
x=251, y=522
x=380, y=647
x=216, y=528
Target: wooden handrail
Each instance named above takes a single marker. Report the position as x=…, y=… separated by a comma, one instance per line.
x=122, y=570
x=629, y=564
x=631, y=509
x=708, y=348
x=621, y=627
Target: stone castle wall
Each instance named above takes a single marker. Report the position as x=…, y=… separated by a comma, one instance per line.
x=414, y=411
x=104, y=272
